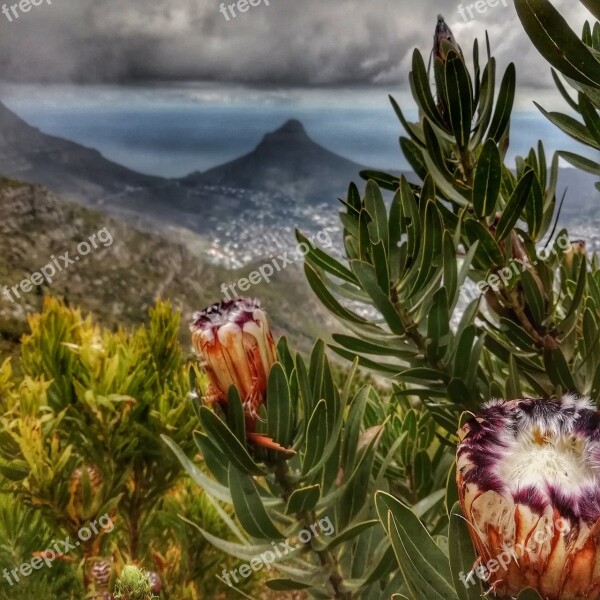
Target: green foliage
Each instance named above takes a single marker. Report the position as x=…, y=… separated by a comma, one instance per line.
x=578, y=60
x=80, y=438
x=470, y=221
x=346, y=445
x=530, y=329
x=23, y=531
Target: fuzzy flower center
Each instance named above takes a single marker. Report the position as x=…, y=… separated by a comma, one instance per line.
x=542, y=452
x=538, y=457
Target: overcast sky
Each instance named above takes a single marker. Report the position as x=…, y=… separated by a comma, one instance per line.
x=289, y=43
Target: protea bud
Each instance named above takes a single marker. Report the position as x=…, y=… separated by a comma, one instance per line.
x=443, y=32
x=98, y=574
x=76, y=508
x=576, y=248
x=133, y=584
x=529, y=486
x=236, y=347
x=155, y=582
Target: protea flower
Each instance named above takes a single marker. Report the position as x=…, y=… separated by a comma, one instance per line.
x=235, y=347
x=529, y=486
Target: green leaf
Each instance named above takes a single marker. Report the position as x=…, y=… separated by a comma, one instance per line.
x=419, y=83
x=535, y=208
x=327, y=298
x=367, y=277
x=486, y=105
x=463, y=555
x=235, y=414
x=460, y=98
x=424, y=566
x=504, y=104
x=216, y=461
x=513, y=383
x=429, y=251
x=228, y=442
x=557, y=42
x=570, y=126
x=280, y=412
x=558, y=370
x=414, y=156
x=358, y=487
x=317, y=436
x=488, y=177
x=593, y=7
x=590, y=116
x=579, y=290
x=303, y=499
x=323, y=261
x=451, y=495
x=438, y=326
x=249, y=508
x=411, y=214
x=351, y=532
x=488, y=252
x=436, y=166
x=411, y=129
x=376, y=208
x=563, y=91
x=585, y=164
x=464, y=348
x=533, y=297
x=285, y=585
x=213, y=488
x=383, y=180
x=396, y=346
x=516, y=204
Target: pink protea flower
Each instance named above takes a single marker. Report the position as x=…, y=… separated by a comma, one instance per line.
x=529, y=485
x=235, y=347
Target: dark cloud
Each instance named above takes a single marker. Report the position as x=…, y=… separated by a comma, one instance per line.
x=290, y=42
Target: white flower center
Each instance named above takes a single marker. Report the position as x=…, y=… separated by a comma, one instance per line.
x=534, y=458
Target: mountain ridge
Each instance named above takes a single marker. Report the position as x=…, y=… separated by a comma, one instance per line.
x=28, y=154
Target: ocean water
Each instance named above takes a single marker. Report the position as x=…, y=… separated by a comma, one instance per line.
x=172, y=131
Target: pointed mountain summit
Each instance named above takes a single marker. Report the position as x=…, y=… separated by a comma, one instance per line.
x=286, y=160
x=291, y=132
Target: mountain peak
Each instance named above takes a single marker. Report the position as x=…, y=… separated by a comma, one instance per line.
x=292, y=131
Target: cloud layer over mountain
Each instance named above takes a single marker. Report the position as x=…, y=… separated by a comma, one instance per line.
x=289, y=42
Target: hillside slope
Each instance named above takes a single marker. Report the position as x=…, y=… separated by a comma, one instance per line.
x=119, y=282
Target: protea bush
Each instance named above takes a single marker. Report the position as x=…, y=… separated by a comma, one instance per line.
x=526, y=473
x=80, y=438
x=469, y=471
